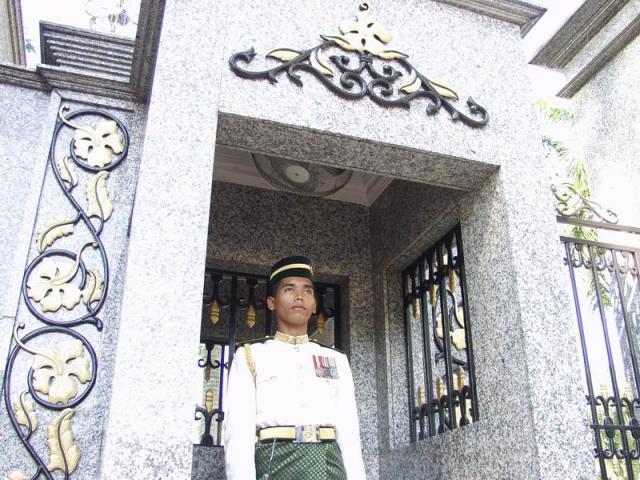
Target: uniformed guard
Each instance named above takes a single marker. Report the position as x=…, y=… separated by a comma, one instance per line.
x=290, y=409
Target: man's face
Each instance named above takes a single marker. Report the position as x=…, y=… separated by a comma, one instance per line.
x=294, y=301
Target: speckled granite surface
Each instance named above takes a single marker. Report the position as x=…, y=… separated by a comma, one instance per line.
x=48, y=202
x=163, y=291
x=610, y=158
x=514, y=355
x=518, y=304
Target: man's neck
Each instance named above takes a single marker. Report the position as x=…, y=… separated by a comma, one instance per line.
x=294, y=331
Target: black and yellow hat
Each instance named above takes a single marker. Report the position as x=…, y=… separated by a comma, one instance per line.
x=296, y=266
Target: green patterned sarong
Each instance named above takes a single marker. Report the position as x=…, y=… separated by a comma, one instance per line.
x=300, y=461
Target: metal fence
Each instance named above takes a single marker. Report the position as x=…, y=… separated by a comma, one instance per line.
x=442, y=393
x=606, y=298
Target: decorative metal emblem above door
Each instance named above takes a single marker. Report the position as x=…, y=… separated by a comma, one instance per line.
x=385, y=84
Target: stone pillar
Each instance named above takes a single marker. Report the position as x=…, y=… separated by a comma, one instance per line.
x=148, y=433
x=11, y=40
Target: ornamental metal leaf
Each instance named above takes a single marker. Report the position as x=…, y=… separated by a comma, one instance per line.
x=100, y=205
x=67, y=170
x=99, y=145
x=394, y=84
x=95, y=288
x=50, y=286
x=17, y=475
x=25, y=412
x=58, y=227
x=53, y=371
x=64, y=454
x=571, y=203
x=57, y=371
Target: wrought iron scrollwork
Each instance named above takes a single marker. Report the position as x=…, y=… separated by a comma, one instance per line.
x=571, y=204
x=55, y=283
x=382, y=83
x=439, y=349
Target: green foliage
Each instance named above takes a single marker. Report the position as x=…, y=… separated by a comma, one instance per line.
x=561, y=140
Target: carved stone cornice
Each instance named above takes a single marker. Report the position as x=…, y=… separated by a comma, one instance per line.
x=577, y=31
x=631, y=31
x=523, y=14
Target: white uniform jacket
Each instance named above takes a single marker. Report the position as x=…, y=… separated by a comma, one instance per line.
x=289, y=390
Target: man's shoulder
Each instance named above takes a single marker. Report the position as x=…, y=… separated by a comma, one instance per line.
x=254, y=341
x=328, y=348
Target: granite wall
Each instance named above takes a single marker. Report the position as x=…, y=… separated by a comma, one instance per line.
x=253, y=228
x=606, y=109
x=512, y=429
x=33, y=198
x=519, y=309
x=477, y=56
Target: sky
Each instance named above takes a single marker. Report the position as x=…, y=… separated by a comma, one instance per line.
x=546, y=83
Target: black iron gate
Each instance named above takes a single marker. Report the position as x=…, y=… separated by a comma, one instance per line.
x=606, y=297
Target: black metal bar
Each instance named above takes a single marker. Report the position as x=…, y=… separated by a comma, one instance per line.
x=625, y=317
x=406, y=303
x=232, y=317
x=598, y=225
x=612, y=370
x=467, y=325
x=337, y=324
x=629, y=428
x=591, y=243
x=446, y=328
x=426, y=344
x=220, y=397
x=585, y=358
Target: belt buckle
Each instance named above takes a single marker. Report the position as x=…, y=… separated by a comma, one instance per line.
x=307, y=434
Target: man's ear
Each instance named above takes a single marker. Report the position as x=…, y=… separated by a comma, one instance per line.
x=270, y=303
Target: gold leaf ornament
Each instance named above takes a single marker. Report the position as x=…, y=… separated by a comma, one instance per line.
x=443, y=90
x=208, y=400
x=64, y=454
x=284, y=54
x=322, y=321
x=99, y=203
x=365, y=35
x=458, y=339
x=56, y=373
x=214, y=312
x=58, y=227
x=17, y=475
x=94, y=289
x=251, y=316
x=412, y=84
x=25, y=412
x=319, y=65
x=98, y=146
x=415, y=309
x=49, y=286
x=67, y=170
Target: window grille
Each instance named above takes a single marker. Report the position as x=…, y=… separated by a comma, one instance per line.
x=233, y=311
x=442, y=393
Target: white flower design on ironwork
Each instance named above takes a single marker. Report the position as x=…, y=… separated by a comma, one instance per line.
x=99, y=145
x=51, y=288
x=53, y=371
x=365, y=35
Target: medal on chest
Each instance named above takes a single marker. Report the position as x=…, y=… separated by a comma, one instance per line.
x=325, y=367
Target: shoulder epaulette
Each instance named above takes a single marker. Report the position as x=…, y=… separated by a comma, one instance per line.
x=255, y=340
x=327, y=346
